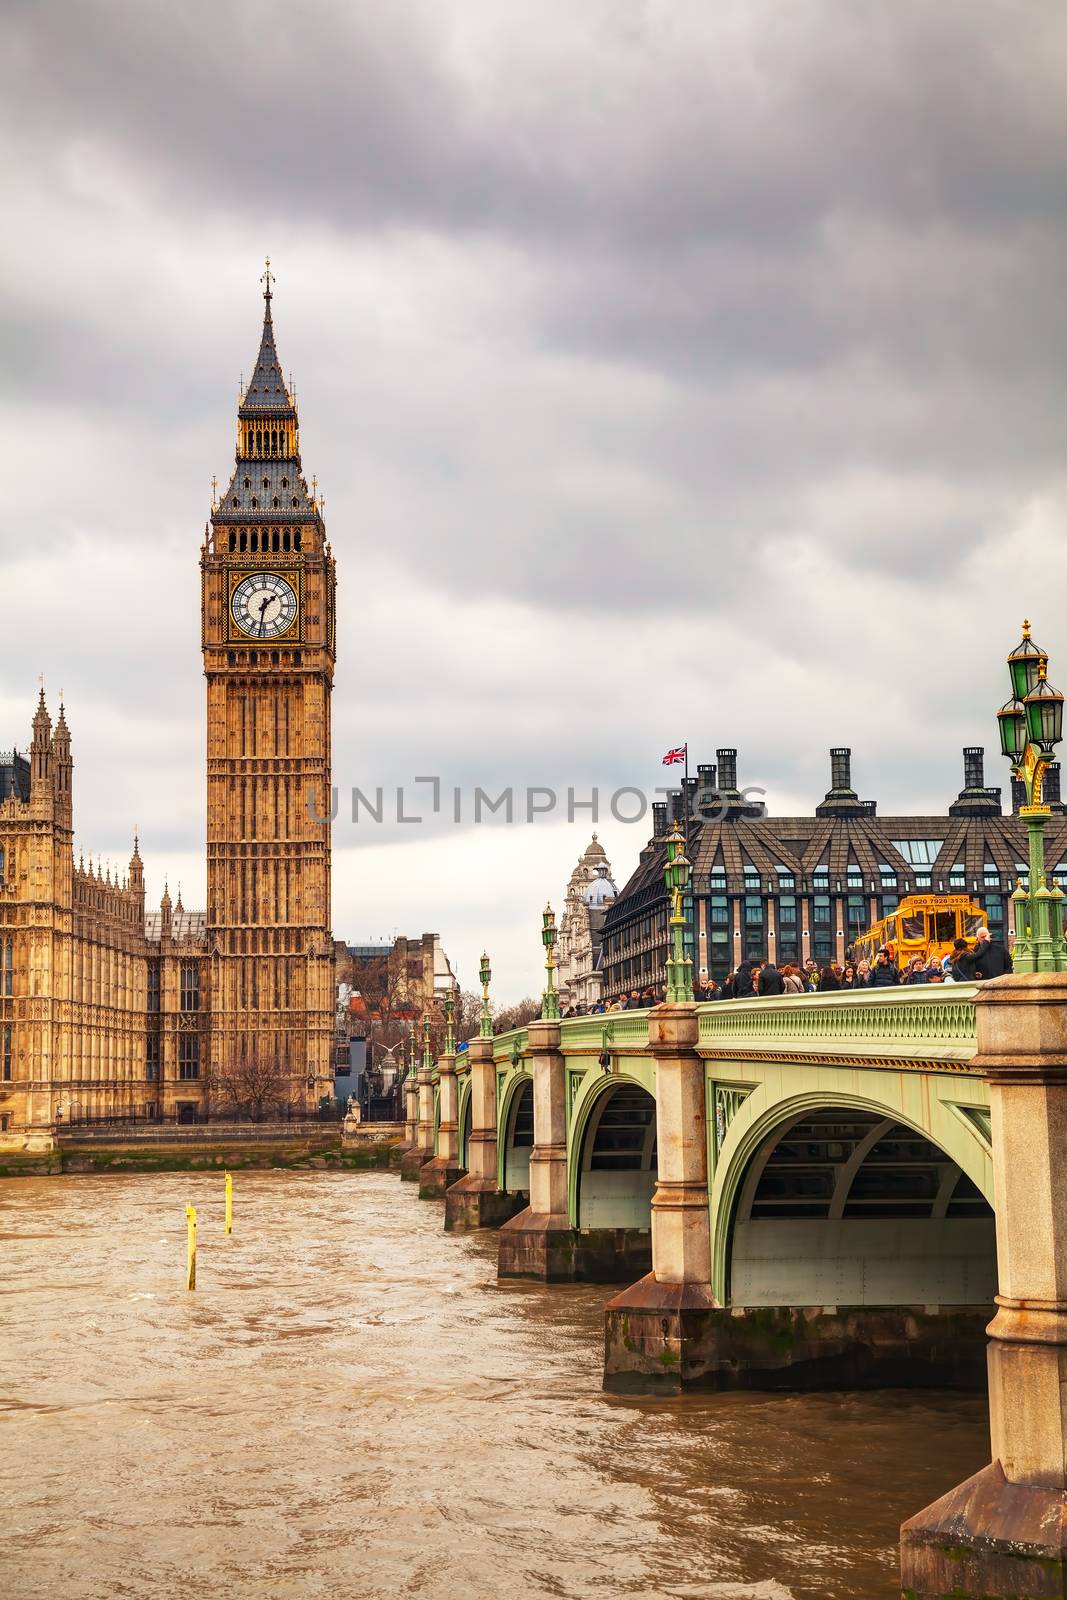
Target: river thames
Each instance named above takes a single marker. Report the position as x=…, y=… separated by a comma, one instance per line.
x=350, y=1405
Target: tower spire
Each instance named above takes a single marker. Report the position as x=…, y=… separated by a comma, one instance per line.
x=267, y=485
x=266, y=278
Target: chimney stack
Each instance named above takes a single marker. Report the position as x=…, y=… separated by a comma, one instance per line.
x=841, y=799
x=841, y=770
x=727, y=760
x=974, y=799
x=973, y=767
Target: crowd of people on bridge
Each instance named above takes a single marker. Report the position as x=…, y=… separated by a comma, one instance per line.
x=985, y=958
x=965, y=963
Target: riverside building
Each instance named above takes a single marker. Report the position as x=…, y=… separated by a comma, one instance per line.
x=791, y=888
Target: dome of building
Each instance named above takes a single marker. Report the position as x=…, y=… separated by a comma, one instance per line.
x=594, y=852
x=601, y=892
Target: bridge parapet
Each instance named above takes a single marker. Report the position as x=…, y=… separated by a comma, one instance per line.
x=919, y=1026
x=916, y=1026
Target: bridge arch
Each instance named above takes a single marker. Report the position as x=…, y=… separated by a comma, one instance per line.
x=612, y=1158
x=515, y=1137
x=838, y=1200
x=464, y=1118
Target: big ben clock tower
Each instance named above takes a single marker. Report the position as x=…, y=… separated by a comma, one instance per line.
x=268, y=639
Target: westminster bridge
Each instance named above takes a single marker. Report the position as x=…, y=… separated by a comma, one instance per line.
x=823, y=1190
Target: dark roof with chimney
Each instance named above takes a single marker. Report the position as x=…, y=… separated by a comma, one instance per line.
x=844, y=833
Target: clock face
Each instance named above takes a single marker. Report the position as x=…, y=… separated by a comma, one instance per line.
x=264, y=605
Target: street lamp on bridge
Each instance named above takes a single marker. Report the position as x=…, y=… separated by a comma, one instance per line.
x=1031, y=726
x=550, y=999
x=676, y=877
x=486, y=977
x=450, y=1022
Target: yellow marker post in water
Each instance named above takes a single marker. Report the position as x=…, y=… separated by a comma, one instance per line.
x=229, y=1204
x=190, y=1220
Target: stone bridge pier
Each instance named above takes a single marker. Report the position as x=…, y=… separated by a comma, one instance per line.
x=411, y=1123
x=655, y=1331
x=1003, y=1533
x=444, y=1169
x=539, y=1242
x=476, y=1201
x=413, y=1161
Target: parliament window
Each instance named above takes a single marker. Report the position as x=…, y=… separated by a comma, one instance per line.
x=188, y=1055
x=5, y=1053
x=151, y=1057
x=821, y=913
x=787, y=910
x=153, y=985
x=190, y=986
x=7, y=973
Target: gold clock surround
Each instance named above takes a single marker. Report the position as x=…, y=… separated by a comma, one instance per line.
x=293, y=577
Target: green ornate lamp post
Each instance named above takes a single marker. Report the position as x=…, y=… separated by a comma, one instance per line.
x=676, y=877
x=427, y=1053
x=486, y=976
x=550, y=999
x=450, y=1023
x=1031, y=726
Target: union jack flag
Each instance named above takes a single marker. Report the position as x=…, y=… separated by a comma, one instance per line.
x=672, y=756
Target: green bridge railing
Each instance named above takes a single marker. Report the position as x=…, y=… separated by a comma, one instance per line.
x=935, y=1025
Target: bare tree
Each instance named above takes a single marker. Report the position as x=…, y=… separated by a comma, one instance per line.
x=517, y=1015
x=468, y=1014
x=257, y=1088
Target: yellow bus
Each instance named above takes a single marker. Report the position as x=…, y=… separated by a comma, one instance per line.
x=922, y=925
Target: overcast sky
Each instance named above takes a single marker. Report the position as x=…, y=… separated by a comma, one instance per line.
x=671, y=371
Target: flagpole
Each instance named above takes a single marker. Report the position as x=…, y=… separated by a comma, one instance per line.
x=685, y=801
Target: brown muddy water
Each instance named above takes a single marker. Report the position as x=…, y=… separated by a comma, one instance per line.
x=350, y=1405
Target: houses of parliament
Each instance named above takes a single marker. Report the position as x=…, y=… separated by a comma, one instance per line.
x=108, y=1009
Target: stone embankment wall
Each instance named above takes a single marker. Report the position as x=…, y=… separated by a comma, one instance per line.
x=206, y=1148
